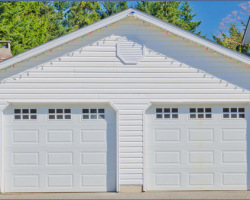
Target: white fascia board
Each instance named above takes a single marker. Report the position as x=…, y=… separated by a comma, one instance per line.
x=201, y=101
x=64, y=39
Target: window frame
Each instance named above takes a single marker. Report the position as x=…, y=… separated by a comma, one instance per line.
x=21, y=114
x=196, y=113
x=55, y=114
x=171, y=113
x=89, y=114
x=230, y=118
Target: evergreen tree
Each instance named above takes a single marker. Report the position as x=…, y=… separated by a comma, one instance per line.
x=233, y=39
x=80, y=14
x=28, y=24
x=112, y=7
x=187, y=18
x=174, y=12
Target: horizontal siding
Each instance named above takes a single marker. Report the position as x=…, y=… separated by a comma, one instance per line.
x=88, y=69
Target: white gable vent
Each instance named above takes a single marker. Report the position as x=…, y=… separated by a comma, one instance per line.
x=130, y=49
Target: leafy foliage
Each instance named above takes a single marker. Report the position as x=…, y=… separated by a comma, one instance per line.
x=233, y=39
x=28, y=24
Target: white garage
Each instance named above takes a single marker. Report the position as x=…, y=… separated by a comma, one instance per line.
x=130, y=102
x=196, y=147
x=59, y=148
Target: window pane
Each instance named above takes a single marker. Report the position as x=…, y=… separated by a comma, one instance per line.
x=200, y=116
x=200, y=110
x=25, y=116
x=175, y=110
x=233, y=109
x=67, y=116
x=85, y=117
x=192, y=116
x=51, y=110
x=32, y=116
x=100, y=110
x=93, y=116
x=85, y=110
x=93, y=110
x=17, y=116
x=241, y=109
x=101, y=116
x=17, y=111
x=208, y=110
x=25, y=110
x=233, y=115
x=32, y=110
x=51, y=116
x=192, y=110
x=59, y=110
x=159, y=116
x=158, y=110
x=59, y=117
x=208, y=115
x=241, y=115
x=174, y=116
x=225, y=115
x=167, y=110
x=167, y=116
x=67, y=110
x=225, y=109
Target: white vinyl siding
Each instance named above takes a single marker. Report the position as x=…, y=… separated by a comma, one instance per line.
x=89, y=70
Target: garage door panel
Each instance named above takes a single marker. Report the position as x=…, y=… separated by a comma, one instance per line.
x=55, y=156
x=198, y=154
x=197, y=180
x=91, y=180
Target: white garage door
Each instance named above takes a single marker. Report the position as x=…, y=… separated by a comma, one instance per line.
x=196, y=148
x=59, y=148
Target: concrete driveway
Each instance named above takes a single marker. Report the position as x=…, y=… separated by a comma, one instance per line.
x=144, y=195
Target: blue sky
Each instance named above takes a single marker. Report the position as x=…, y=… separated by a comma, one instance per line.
x=211, y=13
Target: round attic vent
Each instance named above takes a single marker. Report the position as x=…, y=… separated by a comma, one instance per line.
x=130, y=49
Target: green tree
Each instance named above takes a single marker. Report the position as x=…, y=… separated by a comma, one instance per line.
x=28, y=24
x=174, y=12
x=187, y=18
x=233, y=39
x=80, y=14
x=112, y=7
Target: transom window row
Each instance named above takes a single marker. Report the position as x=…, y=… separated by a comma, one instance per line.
x=59, y=114
x=200, y=113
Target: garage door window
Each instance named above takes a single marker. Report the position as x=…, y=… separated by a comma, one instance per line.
x=200, y=113
x=93, y=113
x=233, y=113
x=59, y=114
x=167, y=113
x=25, y=114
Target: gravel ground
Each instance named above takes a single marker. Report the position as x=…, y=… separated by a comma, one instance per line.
x=143, y=195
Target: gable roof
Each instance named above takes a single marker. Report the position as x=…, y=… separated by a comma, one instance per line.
x=117, y=17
